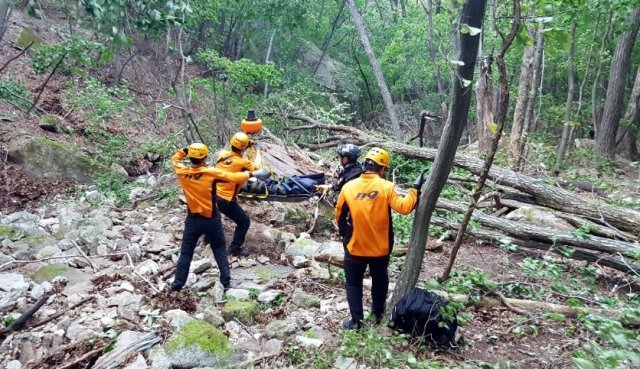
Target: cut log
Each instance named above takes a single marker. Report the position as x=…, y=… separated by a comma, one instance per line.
x=530, y=232
x=496, y=238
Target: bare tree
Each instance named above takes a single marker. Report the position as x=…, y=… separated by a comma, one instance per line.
x=5, y=15
x=266, y=60
x=427, y=5
x=377, y=71
x=472, y=16
x=513, y=157
x=613, y=104
x=566, y=128
x=596, y=79
x=484, y=102
x=627, y=138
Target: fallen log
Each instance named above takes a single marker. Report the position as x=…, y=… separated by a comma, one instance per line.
x=617, y=261
x=525, y=231
x=115, y=358
x=545, y=195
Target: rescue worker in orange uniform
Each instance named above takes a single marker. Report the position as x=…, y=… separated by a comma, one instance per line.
x=233, y=161
x=363, y=214
x=198, y=181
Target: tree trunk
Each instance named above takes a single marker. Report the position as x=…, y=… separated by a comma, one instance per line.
x=327, y=40
x=596, y=79
x=513, y=157
x=531, y=100
x=377, y=71
x=484, y=104
x=605, y=141
x=566, y=128
x=472, y=14
x=628, y=148
x=266, y=61
x=5, y=15
x=428, y=8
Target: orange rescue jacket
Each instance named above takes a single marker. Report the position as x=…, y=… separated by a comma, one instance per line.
x=231, y=161
x=363, y=214
x=199, y=184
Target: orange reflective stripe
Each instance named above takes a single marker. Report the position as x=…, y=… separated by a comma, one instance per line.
x=369, y=200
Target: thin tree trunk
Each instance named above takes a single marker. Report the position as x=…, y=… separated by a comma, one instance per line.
x=266, y=61
x=566, y=128
x=596, y=79
x=488, y=162
x=427, y=5
x=5, y=15
x=327, y=40
x=531, y=100
x=613, y=104
x=484, y=103
x=472, y=14
x=513, y=157
x=627, y=147
x=588, y=69
x=364, y=78
x=377, y=71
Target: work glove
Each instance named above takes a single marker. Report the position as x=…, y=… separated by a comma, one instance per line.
x=262, y=174
x=421, y=178
x=185, y=150
x=323, y=187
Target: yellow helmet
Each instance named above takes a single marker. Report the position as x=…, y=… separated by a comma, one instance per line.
x=197, y=150
x=240, y=140
x=379, y=156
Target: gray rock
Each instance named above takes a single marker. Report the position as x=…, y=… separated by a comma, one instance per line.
x=281, y=329
x=48, y=252
x=127, y=338
x=238, y=294
x=79, y=332
x=200, y=266
x=272, y=347
x=213, y=316
x=127, y=299
x=65, y=244
x=93, y=196
x=14, y=364
x=117, y=168
x=345, y=363
x=300, y=261
x=268, y=296
x=176, y=317
x=13, y=282
x=25, y=221
x=159, y=359
x=262, y=273
x=134, y=251
x=10, y=233
x=203, y=284
x=211, y=348
x=309, y=342
x=217, y=292
x=147, y=267
x=302, y=247
x=539, y=217
x=9, y=300
x=305, y=300
x=139, y=363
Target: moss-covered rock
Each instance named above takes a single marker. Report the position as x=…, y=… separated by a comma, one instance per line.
x=296, y=216
x=49, y=272
x=47, y=159
x=244, y=311
x=49, y=122
x=197, y=343
x=8, y=232
x=302, y=247
x=26, y=37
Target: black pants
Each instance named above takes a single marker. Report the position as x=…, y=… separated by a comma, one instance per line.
x=354, y=268
x=194, y=227
x=234, y=212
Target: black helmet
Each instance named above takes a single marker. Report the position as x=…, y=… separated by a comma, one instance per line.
x=349, y=150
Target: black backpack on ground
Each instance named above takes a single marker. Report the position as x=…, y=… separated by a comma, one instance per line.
x=418, y=314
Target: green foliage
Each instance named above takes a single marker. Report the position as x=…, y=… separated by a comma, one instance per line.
x=8, y=320
x=99, y=101
x=79, y=54
x=118, y=19
x=112, y=183
x=242, y=74
x=15, y=92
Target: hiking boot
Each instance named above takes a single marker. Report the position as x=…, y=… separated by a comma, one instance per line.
x=350, y=324
x=239, y=252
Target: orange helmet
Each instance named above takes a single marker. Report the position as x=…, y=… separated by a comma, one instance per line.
x=379, y=156
x=197, y=150
x=240, y=140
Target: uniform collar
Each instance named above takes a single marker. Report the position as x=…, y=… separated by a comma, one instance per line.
x=370, y=175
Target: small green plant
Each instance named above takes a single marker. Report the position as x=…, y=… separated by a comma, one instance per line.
x=15, y=92
x=110, y=182
x=8, y=320
x=99, y=101
x=253, y=293
x=582, y=233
